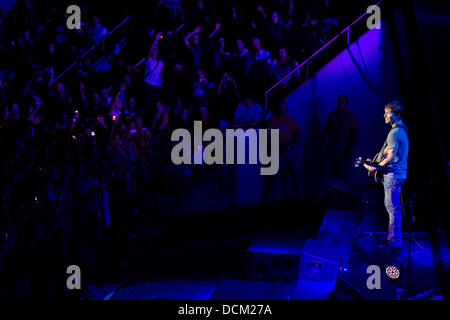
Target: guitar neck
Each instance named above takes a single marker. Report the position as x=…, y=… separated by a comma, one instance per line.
x=360, y=162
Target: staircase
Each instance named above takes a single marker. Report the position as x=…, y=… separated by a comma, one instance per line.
x=316, y=61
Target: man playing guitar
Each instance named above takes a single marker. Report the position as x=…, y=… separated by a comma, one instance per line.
x=393, y=161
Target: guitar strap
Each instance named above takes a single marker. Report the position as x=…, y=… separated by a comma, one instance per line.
x=380, y=154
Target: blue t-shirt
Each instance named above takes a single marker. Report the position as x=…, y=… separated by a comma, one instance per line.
x=246, y=114
x=397, y=139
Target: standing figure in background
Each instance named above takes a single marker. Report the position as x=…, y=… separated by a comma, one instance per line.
x=338, y=138
x=289, y=135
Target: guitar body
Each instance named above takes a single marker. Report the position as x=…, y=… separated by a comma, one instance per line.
x=377, y=175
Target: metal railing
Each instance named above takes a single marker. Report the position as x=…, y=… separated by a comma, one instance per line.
x=347, y=29
x=87, y=52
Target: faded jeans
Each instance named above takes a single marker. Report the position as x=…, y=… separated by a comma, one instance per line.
x=392, y=188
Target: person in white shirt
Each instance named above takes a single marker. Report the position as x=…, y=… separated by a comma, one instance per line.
x=153, y=78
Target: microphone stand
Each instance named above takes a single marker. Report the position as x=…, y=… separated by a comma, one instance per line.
x=409, y=225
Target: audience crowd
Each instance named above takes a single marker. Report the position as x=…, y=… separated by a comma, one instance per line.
x=83, y=154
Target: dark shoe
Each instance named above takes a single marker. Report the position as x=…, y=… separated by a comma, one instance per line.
x=384, y=243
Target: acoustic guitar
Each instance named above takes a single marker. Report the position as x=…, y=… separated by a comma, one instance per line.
x=378, y=174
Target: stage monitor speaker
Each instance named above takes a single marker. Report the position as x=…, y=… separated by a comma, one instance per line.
x=319, y=265
x=275, y=261
x=319, y=262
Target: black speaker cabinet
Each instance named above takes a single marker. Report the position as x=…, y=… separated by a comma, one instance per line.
x=274, y=261
x=320, y=262
x=319, y=265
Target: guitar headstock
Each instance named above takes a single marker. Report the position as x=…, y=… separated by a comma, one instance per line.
x=358, y=162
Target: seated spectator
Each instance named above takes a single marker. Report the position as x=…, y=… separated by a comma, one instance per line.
x=85, y=70
x=282, y=65
x=141, y=138
x=208, y=121
x=228, y=96
x=15, y=112
x=141, y=130
x=248, y=114
x=183, y=120
x=200, y=96
x=315, y=39
x=97, y=31
x=116, y=108
x=160, y=119
x=241, y=49
x=130, y=111
x=121, y=143
x=258, y=53
x=329, y=24
x=105, y=98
